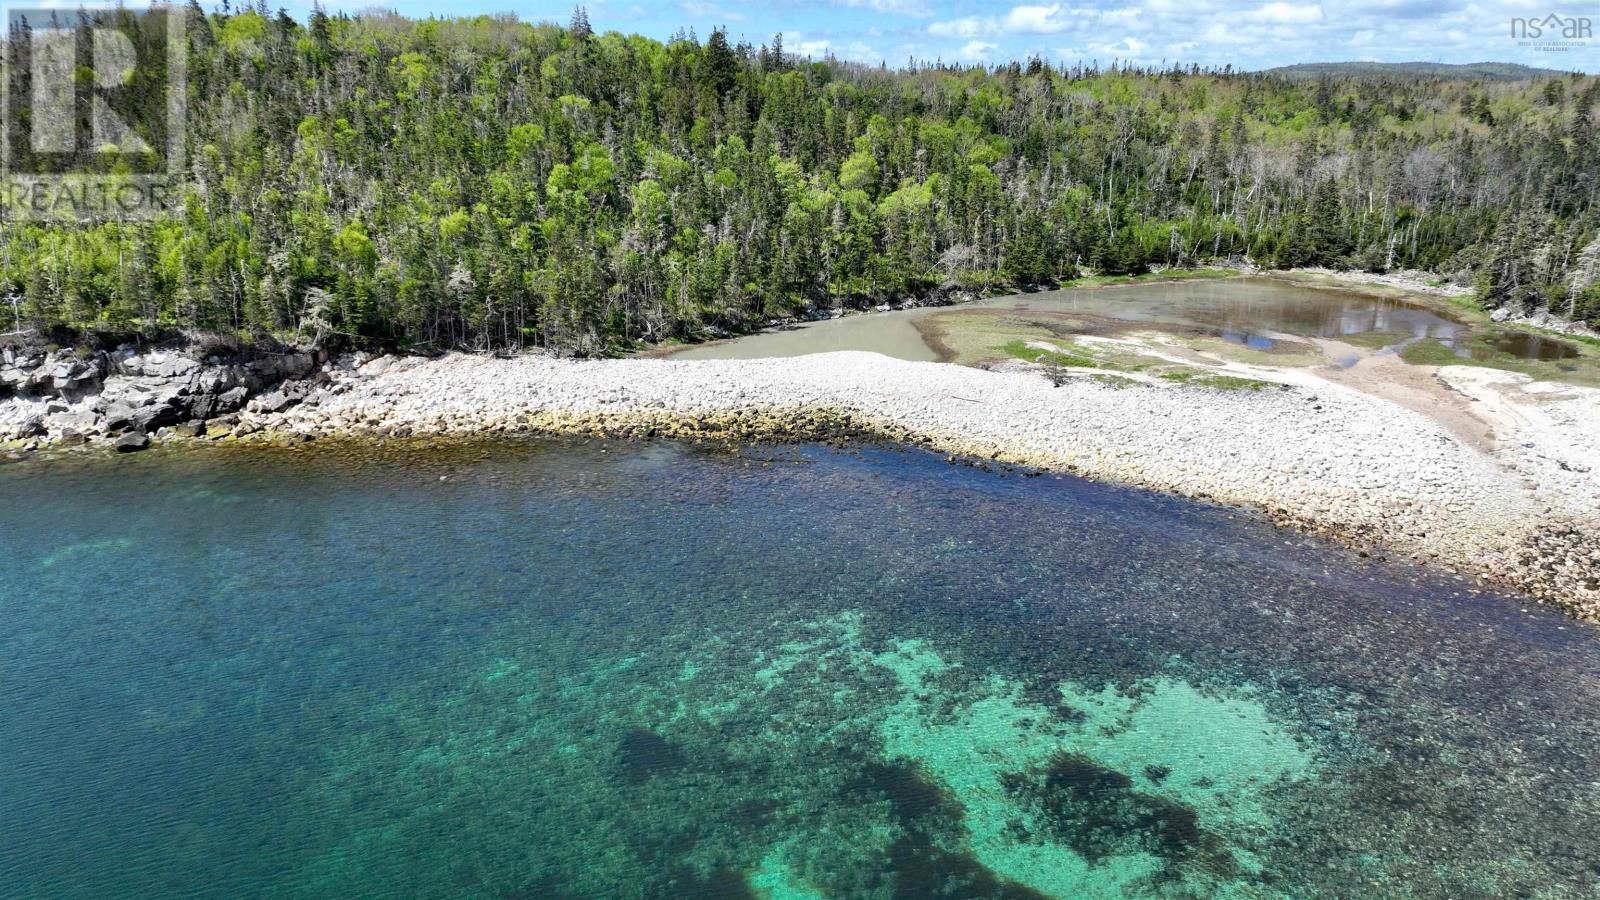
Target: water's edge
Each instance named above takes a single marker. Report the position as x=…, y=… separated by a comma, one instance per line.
x=824, y=426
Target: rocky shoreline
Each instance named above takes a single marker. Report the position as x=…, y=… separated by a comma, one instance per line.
x=125, y=396
x=1326, y=459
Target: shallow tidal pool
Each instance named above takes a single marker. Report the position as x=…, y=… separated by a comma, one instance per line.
x=556, y=668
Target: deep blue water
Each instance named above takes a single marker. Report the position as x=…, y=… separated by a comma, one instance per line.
x=562, y=668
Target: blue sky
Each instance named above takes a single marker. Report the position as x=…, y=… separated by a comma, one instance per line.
x=1248, y=35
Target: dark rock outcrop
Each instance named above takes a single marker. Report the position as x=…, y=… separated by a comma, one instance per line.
x=132, y=442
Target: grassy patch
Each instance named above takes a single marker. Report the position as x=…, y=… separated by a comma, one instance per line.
x=1372, y=340
x=1115, y=381
x=1216, y=382
x=1167, y=275
x=1021, y=350
x=1464, y=305
x=1481, y=351
x=1232, y=383
x=972, y=336
x=1282, y=353
x=1432, y=353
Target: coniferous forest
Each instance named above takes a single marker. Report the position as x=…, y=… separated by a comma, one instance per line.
x=491, y=183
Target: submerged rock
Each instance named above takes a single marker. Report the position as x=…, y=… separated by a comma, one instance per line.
x=643, y=755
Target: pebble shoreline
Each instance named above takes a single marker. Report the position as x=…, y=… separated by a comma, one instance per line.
x=1311, y=454
x=1328, y=460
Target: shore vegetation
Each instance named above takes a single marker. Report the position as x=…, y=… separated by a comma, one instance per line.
x=489, y=183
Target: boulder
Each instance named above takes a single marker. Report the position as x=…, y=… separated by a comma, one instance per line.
x=231, y=400
x=76, y=421
x=149, y=418
x=27, y=427
x=168, y=393
x=298, y=365
x=66, y=370
x=217, y=379
x=132, y=442
x=277, y=401
x=191, y=429
x=173, y=367
x=118, y=417
x=288, y=365
x=203, y=406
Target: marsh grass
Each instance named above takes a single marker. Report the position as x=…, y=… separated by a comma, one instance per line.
x=1372, y=340
x=1581, y=369
x=1021, y=350
x=1148, y=277
x=1217, y=382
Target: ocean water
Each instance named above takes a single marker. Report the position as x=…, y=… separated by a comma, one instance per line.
x=556, y=669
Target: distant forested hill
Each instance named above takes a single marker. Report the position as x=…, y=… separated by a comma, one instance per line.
x=1484, y=71
x=486, y=182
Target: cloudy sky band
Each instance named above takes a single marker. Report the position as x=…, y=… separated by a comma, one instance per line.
x=1249, y=35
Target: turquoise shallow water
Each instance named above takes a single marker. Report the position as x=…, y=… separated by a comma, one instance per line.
x=564, y=669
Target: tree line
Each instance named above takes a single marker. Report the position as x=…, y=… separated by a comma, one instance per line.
x=487, y=183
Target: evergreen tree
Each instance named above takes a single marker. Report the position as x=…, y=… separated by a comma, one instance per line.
x=721, y=66
x=484, y=183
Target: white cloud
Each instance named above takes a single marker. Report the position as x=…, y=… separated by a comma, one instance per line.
x=977, y=51
x=1222, y=34
x=1289, y=13
x=1246, y=34
x=918, y=8
x=1131, y=15
x=1034, y=20
x=821, y=48
x=1130, y=48
x=1024, y=19
x=971, y=26
x=703, y=10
